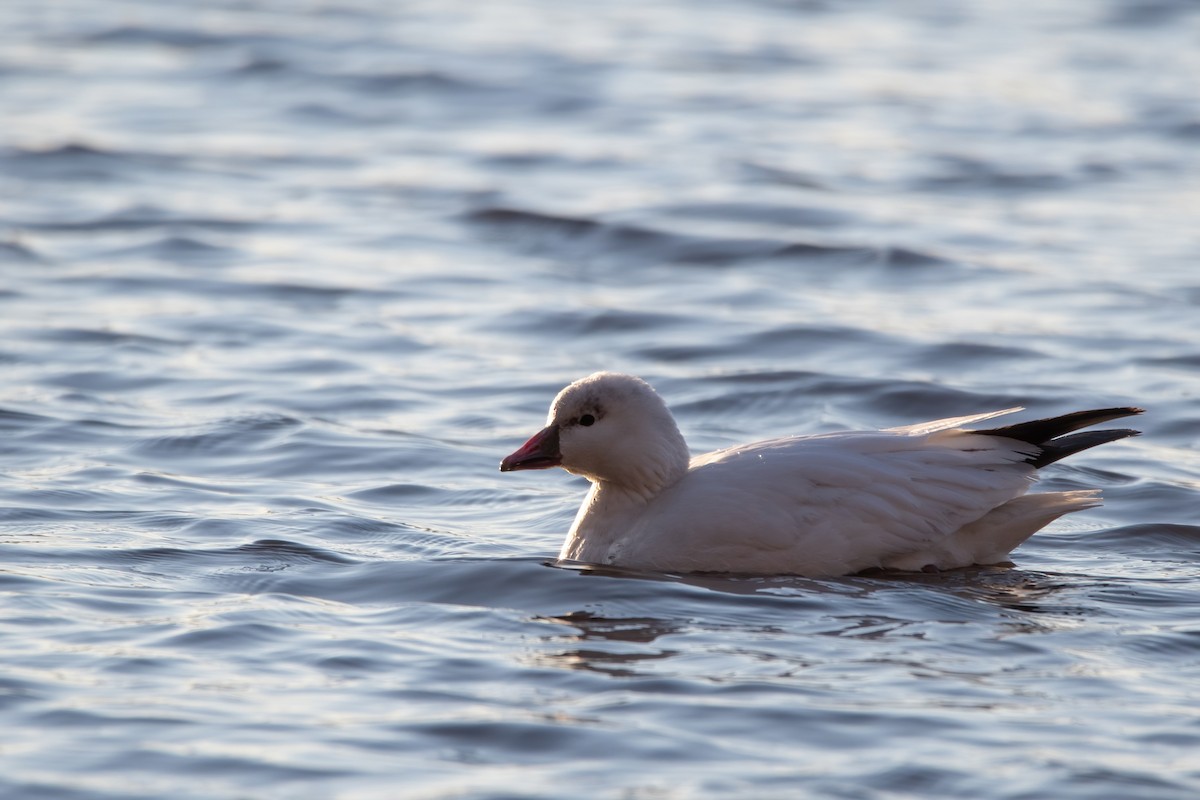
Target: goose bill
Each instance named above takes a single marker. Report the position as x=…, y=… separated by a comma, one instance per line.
x=540, y=452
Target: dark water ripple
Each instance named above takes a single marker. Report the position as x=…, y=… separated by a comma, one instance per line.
x=279, y=285
x=590, y=239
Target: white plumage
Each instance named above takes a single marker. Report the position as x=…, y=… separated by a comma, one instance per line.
x=931, y=495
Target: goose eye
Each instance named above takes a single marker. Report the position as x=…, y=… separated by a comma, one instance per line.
x=586, y=420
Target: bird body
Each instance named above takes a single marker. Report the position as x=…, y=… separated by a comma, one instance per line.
x=932, y=495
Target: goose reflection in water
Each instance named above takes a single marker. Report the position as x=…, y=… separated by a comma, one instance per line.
x=917, y=606
x=616, y=660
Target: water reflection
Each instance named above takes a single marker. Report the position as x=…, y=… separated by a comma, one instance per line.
x=1001, y=586
x=793, y=614
x=599, y=632
x=723, y=582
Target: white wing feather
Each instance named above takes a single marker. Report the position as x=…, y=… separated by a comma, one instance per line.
x=828, y=504
x=951, y=422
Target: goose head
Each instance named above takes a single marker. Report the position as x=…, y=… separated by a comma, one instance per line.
x=611, y=429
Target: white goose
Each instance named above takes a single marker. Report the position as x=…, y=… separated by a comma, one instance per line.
x=927, y=496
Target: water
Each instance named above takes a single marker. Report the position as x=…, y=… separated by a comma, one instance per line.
x=282, y=283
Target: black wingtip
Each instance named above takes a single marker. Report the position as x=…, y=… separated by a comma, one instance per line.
x=1060, y=448
x=1054, y=436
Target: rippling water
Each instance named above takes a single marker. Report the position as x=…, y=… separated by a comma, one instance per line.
x=282, y=282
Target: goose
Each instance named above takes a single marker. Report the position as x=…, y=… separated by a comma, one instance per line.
x=926, y=497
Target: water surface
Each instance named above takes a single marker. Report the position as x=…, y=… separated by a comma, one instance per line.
x=283, y=282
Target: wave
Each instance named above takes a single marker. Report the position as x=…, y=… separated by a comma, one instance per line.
x=573, y=236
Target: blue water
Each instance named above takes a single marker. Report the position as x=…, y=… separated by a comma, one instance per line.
x=282, y=283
